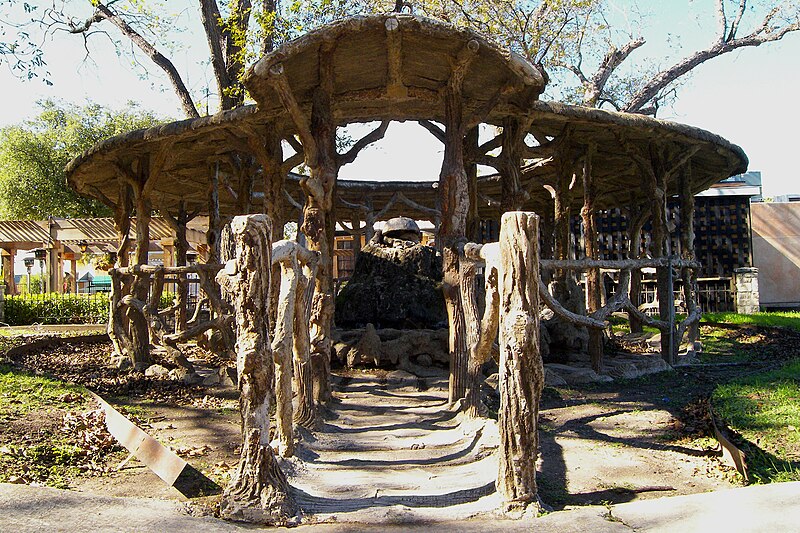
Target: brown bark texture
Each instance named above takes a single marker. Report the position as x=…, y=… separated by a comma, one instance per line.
x=245, y=281
x=593, y=287
x=258, y=491
x=521, y=370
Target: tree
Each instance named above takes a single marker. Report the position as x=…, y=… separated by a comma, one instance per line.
x=582, y=43
x=33, y=156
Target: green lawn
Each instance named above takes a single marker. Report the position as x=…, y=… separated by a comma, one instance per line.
x=765, y=409
x=47, y=453
x=785, y=319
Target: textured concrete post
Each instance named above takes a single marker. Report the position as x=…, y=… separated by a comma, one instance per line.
x=521, y=371
x=745, y=287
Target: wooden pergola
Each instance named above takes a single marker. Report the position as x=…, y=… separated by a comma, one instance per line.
x=552, y=159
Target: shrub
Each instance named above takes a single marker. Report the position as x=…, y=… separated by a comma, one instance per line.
x=54, y=308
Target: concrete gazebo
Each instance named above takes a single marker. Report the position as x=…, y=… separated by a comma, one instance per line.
x=551, y=159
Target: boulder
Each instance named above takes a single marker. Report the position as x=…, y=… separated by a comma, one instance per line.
x=156, y=371
x=393, y=287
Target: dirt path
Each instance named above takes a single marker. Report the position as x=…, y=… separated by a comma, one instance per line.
x=390, y=449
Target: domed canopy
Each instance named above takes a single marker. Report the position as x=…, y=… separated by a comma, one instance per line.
x=394, y=67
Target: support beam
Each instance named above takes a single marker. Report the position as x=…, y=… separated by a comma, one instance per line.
x=593, y=282
x=521, y=370
x=9, y=256
x=258, y=491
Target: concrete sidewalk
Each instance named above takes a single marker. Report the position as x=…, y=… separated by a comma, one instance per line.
x=750, y=509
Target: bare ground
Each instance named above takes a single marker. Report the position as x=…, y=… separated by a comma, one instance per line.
x=390, y=449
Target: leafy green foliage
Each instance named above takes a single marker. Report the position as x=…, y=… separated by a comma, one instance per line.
x=765, y=409
x=33, y=156
x=56, y=308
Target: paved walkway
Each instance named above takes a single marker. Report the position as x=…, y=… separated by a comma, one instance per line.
x=392, y=452
x=773, y=508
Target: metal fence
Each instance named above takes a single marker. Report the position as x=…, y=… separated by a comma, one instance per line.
x=714, y=295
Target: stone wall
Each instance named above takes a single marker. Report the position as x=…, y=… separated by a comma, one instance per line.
x=745, y=286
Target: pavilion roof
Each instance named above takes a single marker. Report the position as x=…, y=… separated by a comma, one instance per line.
x=394, y=66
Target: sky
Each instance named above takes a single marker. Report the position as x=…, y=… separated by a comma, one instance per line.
x=749, y=96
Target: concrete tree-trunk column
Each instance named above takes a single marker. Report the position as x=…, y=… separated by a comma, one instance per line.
x=181, y=250
x=656, y=185
x=140, y=332
x=454, y=208
x=473, y=229
x=305, y=415
x=117, y=320
x=318, y=227
x=521, y=370
x=214, y=220
x=593, y=283
x=472, y=335
x=689, y=275
x=73, y=270
x=258, y=491
x=285, y=256
x=513, y=196
x=637, y=216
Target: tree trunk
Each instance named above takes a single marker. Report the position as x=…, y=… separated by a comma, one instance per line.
x=593, y=287
x=214, y=221
x=521, y=370
x=637, y=216
x=305, y=414
x=282, y=345
x=472, y=336
x=258, y=490
x=513, y=196
x=454, y=208
x=318, y=227
x=689, y=275
x=117, y=323
x=140, y=332
x=473, y=230
x=181, y=249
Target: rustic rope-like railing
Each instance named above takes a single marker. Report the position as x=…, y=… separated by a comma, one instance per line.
x=129, y=342
x=621, y=301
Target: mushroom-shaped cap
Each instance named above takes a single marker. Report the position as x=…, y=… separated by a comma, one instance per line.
x=399, y=225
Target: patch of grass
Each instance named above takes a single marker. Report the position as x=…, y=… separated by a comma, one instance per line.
x=785, y=319
x=44, y=452
x=765, y=409
x=722, y=345
x=23, y=392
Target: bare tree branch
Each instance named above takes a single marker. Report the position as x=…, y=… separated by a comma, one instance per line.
x=373, y=136
x=763, y=34
x=435, y=130
x=613, y=58
x=162, y=62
